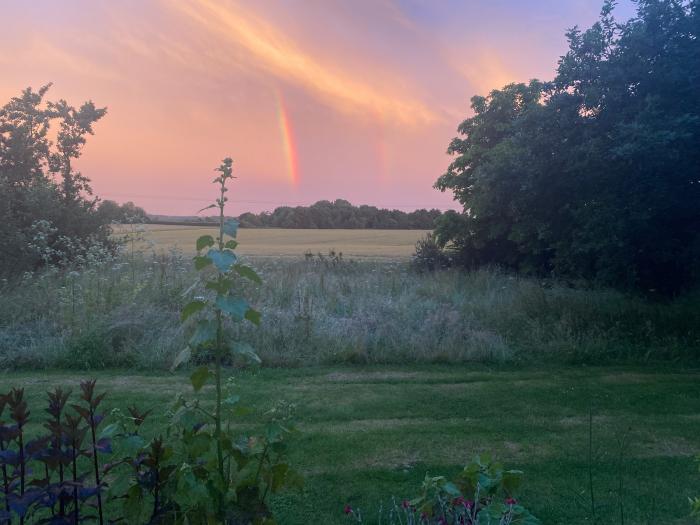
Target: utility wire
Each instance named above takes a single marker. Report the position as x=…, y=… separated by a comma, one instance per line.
x=244, y=201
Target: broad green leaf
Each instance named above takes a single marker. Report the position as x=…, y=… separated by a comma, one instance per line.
x=132, y=444
x=511, y=480
x=233, y=306
x=248, y=273
x=201, y=261
x=246, y=351
x=199, y=377
x=205, y=332
x=192, y=308
x=109, y=431
x=182, y=357
x=278, y=474
x=231, y=245
x=253, y=316
x=231, y=227
x=185, y=417
x=223, y=260
x=451, y=489
x=205, y=241
x=219, y=286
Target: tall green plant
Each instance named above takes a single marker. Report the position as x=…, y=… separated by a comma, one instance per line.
x=220, y=271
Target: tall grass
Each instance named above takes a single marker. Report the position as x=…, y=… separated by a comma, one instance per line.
x=124, y=313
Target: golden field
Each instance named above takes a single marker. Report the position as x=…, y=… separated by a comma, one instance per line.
x=366, y=244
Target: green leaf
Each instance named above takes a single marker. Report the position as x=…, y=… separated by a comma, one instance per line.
x=278, y=476
x=205, y=332
x=248, y=273
x=246, y=351
x=199, y=377
x=511, y=480
x=201, y=261
x=192, y=308
x=451, y=489
x=109, y=431
x=223, y=260
x=233, y=306
x=204, y=241
x=182, y=357
x=231, y=245
x=132, y=444
x=231, y=227
x=219, y=286
x=253, y=316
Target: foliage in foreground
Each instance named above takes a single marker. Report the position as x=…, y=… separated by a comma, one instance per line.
x=482, y=493
x=201, y=471
x=83, y=470
x=595, y=174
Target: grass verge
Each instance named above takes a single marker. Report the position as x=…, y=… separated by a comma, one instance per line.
x=372, y=432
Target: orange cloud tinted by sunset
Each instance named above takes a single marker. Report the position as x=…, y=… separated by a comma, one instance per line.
x=313, y=98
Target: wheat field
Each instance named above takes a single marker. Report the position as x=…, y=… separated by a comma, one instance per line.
x=365, y=244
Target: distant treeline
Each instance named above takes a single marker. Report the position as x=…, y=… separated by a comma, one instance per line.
x=341, y=214
x=325, y=215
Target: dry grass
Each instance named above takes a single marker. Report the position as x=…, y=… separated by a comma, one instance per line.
x=363, y=244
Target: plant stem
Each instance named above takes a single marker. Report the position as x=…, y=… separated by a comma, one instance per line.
x=76, y=510
x=22, y=466
x=5, y=481
x=96, y=465
x=219, y=351
x=156, y=491
x=590, y=463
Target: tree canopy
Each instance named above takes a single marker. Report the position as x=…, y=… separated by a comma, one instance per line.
x=595, y=174
x=128, y=213
x=341, y=214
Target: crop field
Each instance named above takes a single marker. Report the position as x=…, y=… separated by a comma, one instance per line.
x=367, y=433
x=363, y=244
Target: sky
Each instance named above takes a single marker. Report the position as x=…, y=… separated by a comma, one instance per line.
x=313, y=99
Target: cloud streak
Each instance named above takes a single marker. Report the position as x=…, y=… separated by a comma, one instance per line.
x=271, y=50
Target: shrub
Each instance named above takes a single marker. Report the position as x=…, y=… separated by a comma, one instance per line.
x=429, y=256
x=57, y=474
x=695, y=503
x=482, y=493
x=47, y=215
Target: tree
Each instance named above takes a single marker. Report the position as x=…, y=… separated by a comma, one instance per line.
x=594, y=174
x=127, y=213
x=42, y=194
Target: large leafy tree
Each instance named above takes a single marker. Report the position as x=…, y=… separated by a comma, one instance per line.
x=42, y=193
x=595, y=174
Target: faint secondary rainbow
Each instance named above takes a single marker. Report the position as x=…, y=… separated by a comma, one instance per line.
x=288, y=143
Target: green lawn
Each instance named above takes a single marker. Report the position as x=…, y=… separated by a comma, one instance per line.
x=368, y=433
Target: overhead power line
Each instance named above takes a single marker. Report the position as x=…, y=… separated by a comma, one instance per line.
x=245, y=201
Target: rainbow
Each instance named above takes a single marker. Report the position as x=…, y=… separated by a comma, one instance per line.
x=288, y=143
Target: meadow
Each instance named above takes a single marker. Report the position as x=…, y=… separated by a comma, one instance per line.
x=125, y=312
x=394, y=374
x=367, y=433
